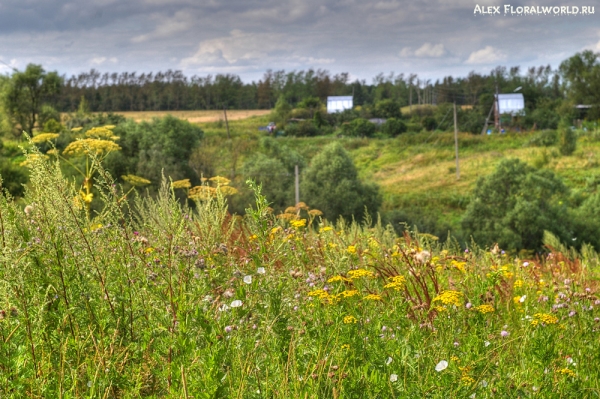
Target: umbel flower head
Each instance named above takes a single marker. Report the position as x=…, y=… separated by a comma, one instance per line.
x=185, y=183
x=87, y=146
x=136, y=180
x=43, y=137
x=102, y=132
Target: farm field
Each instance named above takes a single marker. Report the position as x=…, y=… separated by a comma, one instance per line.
x=195, y=116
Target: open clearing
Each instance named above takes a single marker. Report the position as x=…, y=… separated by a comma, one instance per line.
x=196, y=116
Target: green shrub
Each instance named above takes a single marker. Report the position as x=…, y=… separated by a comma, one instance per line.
x=568, y=141
x=545, y=138
x=393, y=127
x=359, y=127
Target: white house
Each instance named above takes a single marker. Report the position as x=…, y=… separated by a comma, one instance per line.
x=338, y=103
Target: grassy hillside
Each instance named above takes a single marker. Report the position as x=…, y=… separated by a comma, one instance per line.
x=417, y=171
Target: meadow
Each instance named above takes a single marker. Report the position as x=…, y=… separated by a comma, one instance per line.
x=151, y=298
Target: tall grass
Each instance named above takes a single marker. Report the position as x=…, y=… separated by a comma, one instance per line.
x=149, y=298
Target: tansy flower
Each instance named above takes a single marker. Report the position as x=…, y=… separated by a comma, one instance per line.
x=350, y=320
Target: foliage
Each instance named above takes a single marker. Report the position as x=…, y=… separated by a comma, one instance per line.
x=150, y=149
x=359, y=127
x=152, y=299
x=393, y=127
x=514, y=205
x=581, y=76
x=567, y=140
x=27, y=93
x=331, y=184
x=387, y=108
x=545, y=138
x=13, y=178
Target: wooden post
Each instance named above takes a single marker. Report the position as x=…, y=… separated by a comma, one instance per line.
x=297, y=184
x=226, y=122
x=456, y=143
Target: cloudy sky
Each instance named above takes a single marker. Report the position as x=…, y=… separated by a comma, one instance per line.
x=433, y=38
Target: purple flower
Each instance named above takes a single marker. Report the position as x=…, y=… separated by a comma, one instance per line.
x=456, y=344
x=504, y=333
x=383, y=328
x=572, y=313
x=228, y=329
x=468, y=305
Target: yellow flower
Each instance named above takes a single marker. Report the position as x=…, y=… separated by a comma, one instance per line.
x=454, y=358
x=298, y=223
x=87, y=198
x=460, y=266
x=449, y=298
x=202, y=192
x=349, y=293
x=315, y=213
x=350, y=320
x=85, y=146
x=185, y=183
x=324, y=229
x=345, y=346
x=397, y=282
x=319, y=294
x=518, y=283
x=43, y=137
x=337, y=278
x=149, y=250
x=358, y=273
x=102, y=132
x=135, y=180
x=220, y=180
x=253, y=237
x=483, y=309
x=372, y=297
x=351, y=249
x=567, y=372
x=544, y=318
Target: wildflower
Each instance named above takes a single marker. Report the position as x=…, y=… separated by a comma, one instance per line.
x=185, y=183
x=338, y=278
x=456, y=344
x=345, y=346
x=315, y=213
x=85, y=146
x=544, y=318
x=350, y=319
x=572, y=313
x=441, y=366
x=324, y=229
x=393, y=377
x=423, y=256
x=372, y=297
x=504, y=333
x=468, y=305
x=567, y=372
x=454, y=358
x=228, y=329
x=236, y=304
x=525, y=264
x=349, y=293
x=298, y=223
x=358, y=273
x=518, y=283
x=43, y=137
x=483, y=309
x=486, y=343
x=149, y=250
x=248, y=279
x=28, y=210
x=388, y=361
x=397, y=282
x=261, y=270
x=136, y=181
x=449, y=298
x=351, y=249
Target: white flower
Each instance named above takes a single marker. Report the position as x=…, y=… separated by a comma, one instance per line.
x=261, y=270
x=388, y=360
x=523, y=298
x=236, y=304
x=223, y=308
x=441, y=366
x=484, y=383
x=394, y=377
x=486, y=343
x=525, y=264
x=248, y=279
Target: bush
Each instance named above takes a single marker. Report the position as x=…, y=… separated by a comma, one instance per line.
x=568, y=141
x=393, y=127
x=359, y=127
x=14, y=178
x=545, y=138
x=387, y=109
x=331, y=184
x=515, y=204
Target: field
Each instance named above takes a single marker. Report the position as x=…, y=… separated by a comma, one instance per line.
x=195, y=116
x=163, y=301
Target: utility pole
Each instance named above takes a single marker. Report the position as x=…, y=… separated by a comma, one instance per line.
x=226, y=123
x=456, y=143
x=487, y=120
x=297, y=184
x=496, y=110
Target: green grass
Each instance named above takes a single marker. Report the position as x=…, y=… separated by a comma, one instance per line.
x=157, y=300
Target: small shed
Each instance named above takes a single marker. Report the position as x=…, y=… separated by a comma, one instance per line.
x=511, y=103
x=339, y=103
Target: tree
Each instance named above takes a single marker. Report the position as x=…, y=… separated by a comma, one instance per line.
x=514, y=205
x=393, y=127
x=26, y=94
x=331, y=184
x=387, y=109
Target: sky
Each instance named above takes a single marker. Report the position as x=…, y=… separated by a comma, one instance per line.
x=431, y=38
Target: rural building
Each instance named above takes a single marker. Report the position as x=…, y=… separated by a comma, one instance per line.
x=339, y=103
x=511, y=103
